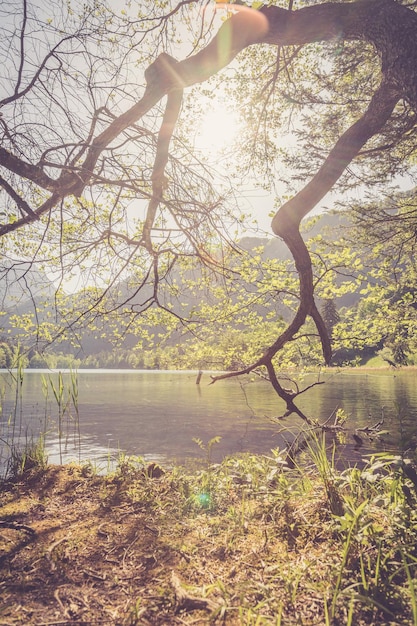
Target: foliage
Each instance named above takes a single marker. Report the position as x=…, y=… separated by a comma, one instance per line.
x=385, y=316
x=6, y=355
x=367, y=303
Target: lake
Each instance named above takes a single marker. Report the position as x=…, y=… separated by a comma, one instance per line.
x=157, y=415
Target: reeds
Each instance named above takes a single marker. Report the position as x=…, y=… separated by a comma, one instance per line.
x=24, y=439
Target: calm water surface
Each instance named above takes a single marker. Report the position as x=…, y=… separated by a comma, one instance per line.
x=156, y=415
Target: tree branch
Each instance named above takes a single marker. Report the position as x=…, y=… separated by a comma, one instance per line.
x=22, y=48
x=382, y=104
x=26, y=170
x=269, y=25
x=21, y=203
x=170, y=118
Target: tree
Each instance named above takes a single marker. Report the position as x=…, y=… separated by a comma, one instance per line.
x=386, y=314
x=330, y=315
x=73, y=165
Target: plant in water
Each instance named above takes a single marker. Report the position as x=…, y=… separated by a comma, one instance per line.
x=58, y=391
x=74, y=399
x=15, y=417
x=24, y=450
x=66, y=398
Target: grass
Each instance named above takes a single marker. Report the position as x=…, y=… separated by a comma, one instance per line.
x=23, y=458
x=245, y=542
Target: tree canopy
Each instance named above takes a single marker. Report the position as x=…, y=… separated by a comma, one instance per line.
x=99, y=173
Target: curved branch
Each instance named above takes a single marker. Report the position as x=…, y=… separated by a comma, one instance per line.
x=170, y=118
x=285, y=395
x=382, y=104
x=303, y=265
x=367, y=20
x=287, y=220
x=326, y=343
x=164, y=75
x=306, y=307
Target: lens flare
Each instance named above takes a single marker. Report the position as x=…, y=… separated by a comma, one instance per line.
x=204, y=500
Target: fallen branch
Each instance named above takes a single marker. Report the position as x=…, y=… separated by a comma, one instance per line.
x=188, y=602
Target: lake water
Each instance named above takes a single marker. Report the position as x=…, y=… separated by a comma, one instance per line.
x=156, y=415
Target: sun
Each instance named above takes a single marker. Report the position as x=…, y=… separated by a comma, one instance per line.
x=218, y=130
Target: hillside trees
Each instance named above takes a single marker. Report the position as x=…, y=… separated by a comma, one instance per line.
x=98, y=173
x=387, y=313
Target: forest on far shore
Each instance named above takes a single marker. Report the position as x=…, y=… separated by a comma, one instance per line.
x=368, y=306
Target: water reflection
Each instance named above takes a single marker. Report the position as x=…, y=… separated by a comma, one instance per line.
x=157, y=415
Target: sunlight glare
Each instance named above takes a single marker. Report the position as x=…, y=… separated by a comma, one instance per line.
x=219, y=130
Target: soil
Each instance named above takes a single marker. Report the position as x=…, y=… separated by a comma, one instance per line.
x=77, y=548
x=153, y=547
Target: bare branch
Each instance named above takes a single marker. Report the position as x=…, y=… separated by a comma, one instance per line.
x=22, y=49
x=21, y=203
x=170, y=118
x=26, y=170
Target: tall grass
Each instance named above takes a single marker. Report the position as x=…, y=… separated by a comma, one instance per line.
x=66, y=400
x=23, y=446
x=15, y=454
x=374, y=515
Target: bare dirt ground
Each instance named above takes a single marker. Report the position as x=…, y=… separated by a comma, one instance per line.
x=80, y=550
x=83, y=549
x=144, y=546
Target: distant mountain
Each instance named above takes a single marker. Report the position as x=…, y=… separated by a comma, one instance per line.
x=21, y=283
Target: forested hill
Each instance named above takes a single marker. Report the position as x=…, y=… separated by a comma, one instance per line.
x=28, y=294
x=329, y=224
